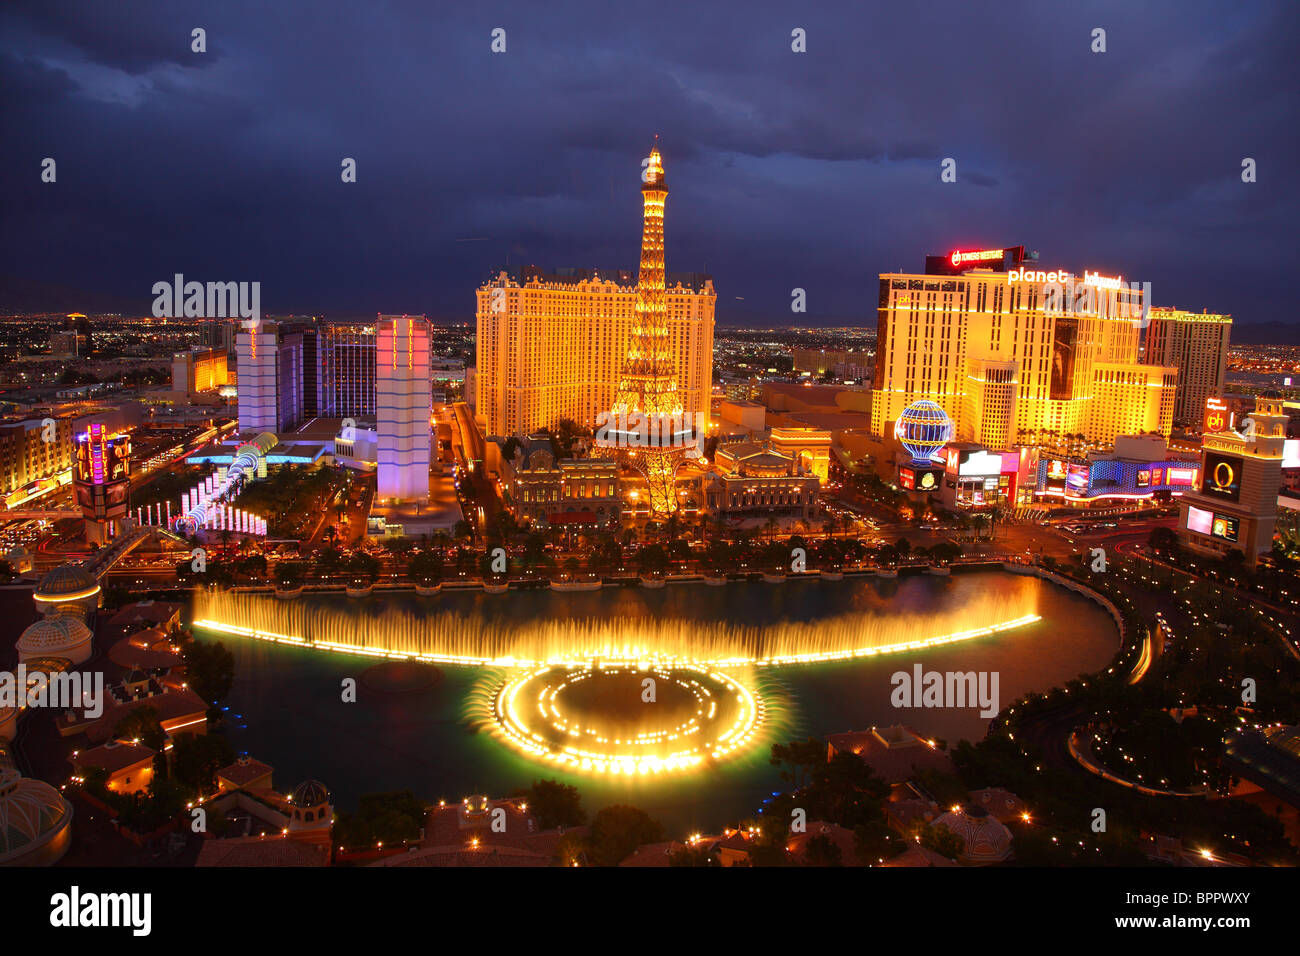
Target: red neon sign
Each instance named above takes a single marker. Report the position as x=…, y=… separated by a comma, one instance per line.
x=978, y=255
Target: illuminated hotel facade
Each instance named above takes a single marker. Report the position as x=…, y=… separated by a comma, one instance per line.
x=403, y=407
x=1014, y=353
x=1234, y=504
x=269, y=359
x=553, y=347
x=1197, y=345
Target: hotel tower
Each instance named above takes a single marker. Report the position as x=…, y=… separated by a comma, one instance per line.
x=1013, y=354
x=1197, y=344
x=555, y=346
x=403, y=407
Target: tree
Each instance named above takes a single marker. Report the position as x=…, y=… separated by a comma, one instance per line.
x=554, y=804
x=390, y=818
x=363, y=568
x=821, y=850
x=618, y=830
x=427, y=566
x=692, y=854
x=941, y=840
x=209, y=669
x=799, y=758
x=196, y=758
x=289, y=574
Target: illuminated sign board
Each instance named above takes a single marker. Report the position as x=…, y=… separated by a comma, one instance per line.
x=1200, y=520
x=1291, y=453
x=918, y=480
x=1222, y=478
x=1101, y=281
x=1144, y=478
x=1218, y=417
x=1031, y=275
x=959, y=260
x=1225, y=527
x=1181, y=476
x=978, y=463
x=1076, y=480
x=1212, y=524
x=981, y=255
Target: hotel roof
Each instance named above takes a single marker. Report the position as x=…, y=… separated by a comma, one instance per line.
x=275, y=850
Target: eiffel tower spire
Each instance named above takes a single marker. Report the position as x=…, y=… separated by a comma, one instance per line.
x=653, y=434
x=648, y=383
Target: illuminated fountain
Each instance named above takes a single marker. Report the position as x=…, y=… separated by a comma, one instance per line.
x=568, y=690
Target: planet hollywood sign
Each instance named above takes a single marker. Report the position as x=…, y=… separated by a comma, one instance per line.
x=1093, y=294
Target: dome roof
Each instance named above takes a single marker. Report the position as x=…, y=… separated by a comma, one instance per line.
x=68, y=579
x=310, y=793
x=53, y=634
x=984, y=839
x=31, y=811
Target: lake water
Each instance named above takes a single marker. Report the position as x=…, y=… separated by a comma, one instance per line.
x=286, y=707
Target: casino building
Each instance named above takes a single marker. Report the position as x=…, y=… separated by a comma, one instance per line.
x=1139, y=467
x=553, y=346
x=1197, y=345
x=1234, y=504
x=1013, y=353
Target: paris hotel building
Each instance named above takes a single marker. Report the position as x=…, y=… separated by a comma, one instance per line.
x=1004, y=353
x=552, y=346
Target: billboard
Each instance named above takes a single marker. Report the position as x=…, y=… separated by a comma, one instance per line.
x=1063, y=346
x=1056, y=469
x=918, y=479
x=1218, y=416
x=1076, y=480
x=1291, y=453
x=1212, y=524
x=960, y=260
x=1225, y=527
x=1222, y=477
x=1199, y=520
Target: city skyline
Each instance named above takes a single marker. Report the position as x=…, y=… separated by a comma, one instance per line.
x=815, y=170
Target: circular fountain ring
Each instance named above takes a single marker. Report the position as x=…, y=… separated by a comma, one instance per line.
x=625, y=717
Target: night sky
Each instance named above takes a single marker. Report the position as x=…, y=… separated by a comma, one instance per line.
x=817, y=170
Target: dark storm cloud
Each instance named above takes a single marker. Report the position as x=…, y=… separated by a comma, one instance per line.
x=815, y=170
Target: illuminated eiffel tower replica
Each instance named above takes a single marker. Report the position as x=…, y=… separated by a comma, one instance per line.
x=648, y=432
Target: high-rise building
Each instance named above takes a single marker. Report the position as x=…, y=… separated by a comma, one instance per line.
x=555, y=346
x=1234, y=505
x=33, y=449
x=1197, y=345
x=552, y=346
x=345, y=370
x=1129, y=399
x=1013, y=354
x=403, y=407
x=270, y=376
x=199, y=370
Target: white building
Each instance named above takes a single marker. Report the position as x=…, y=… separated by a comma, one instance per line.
x=403, y=407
